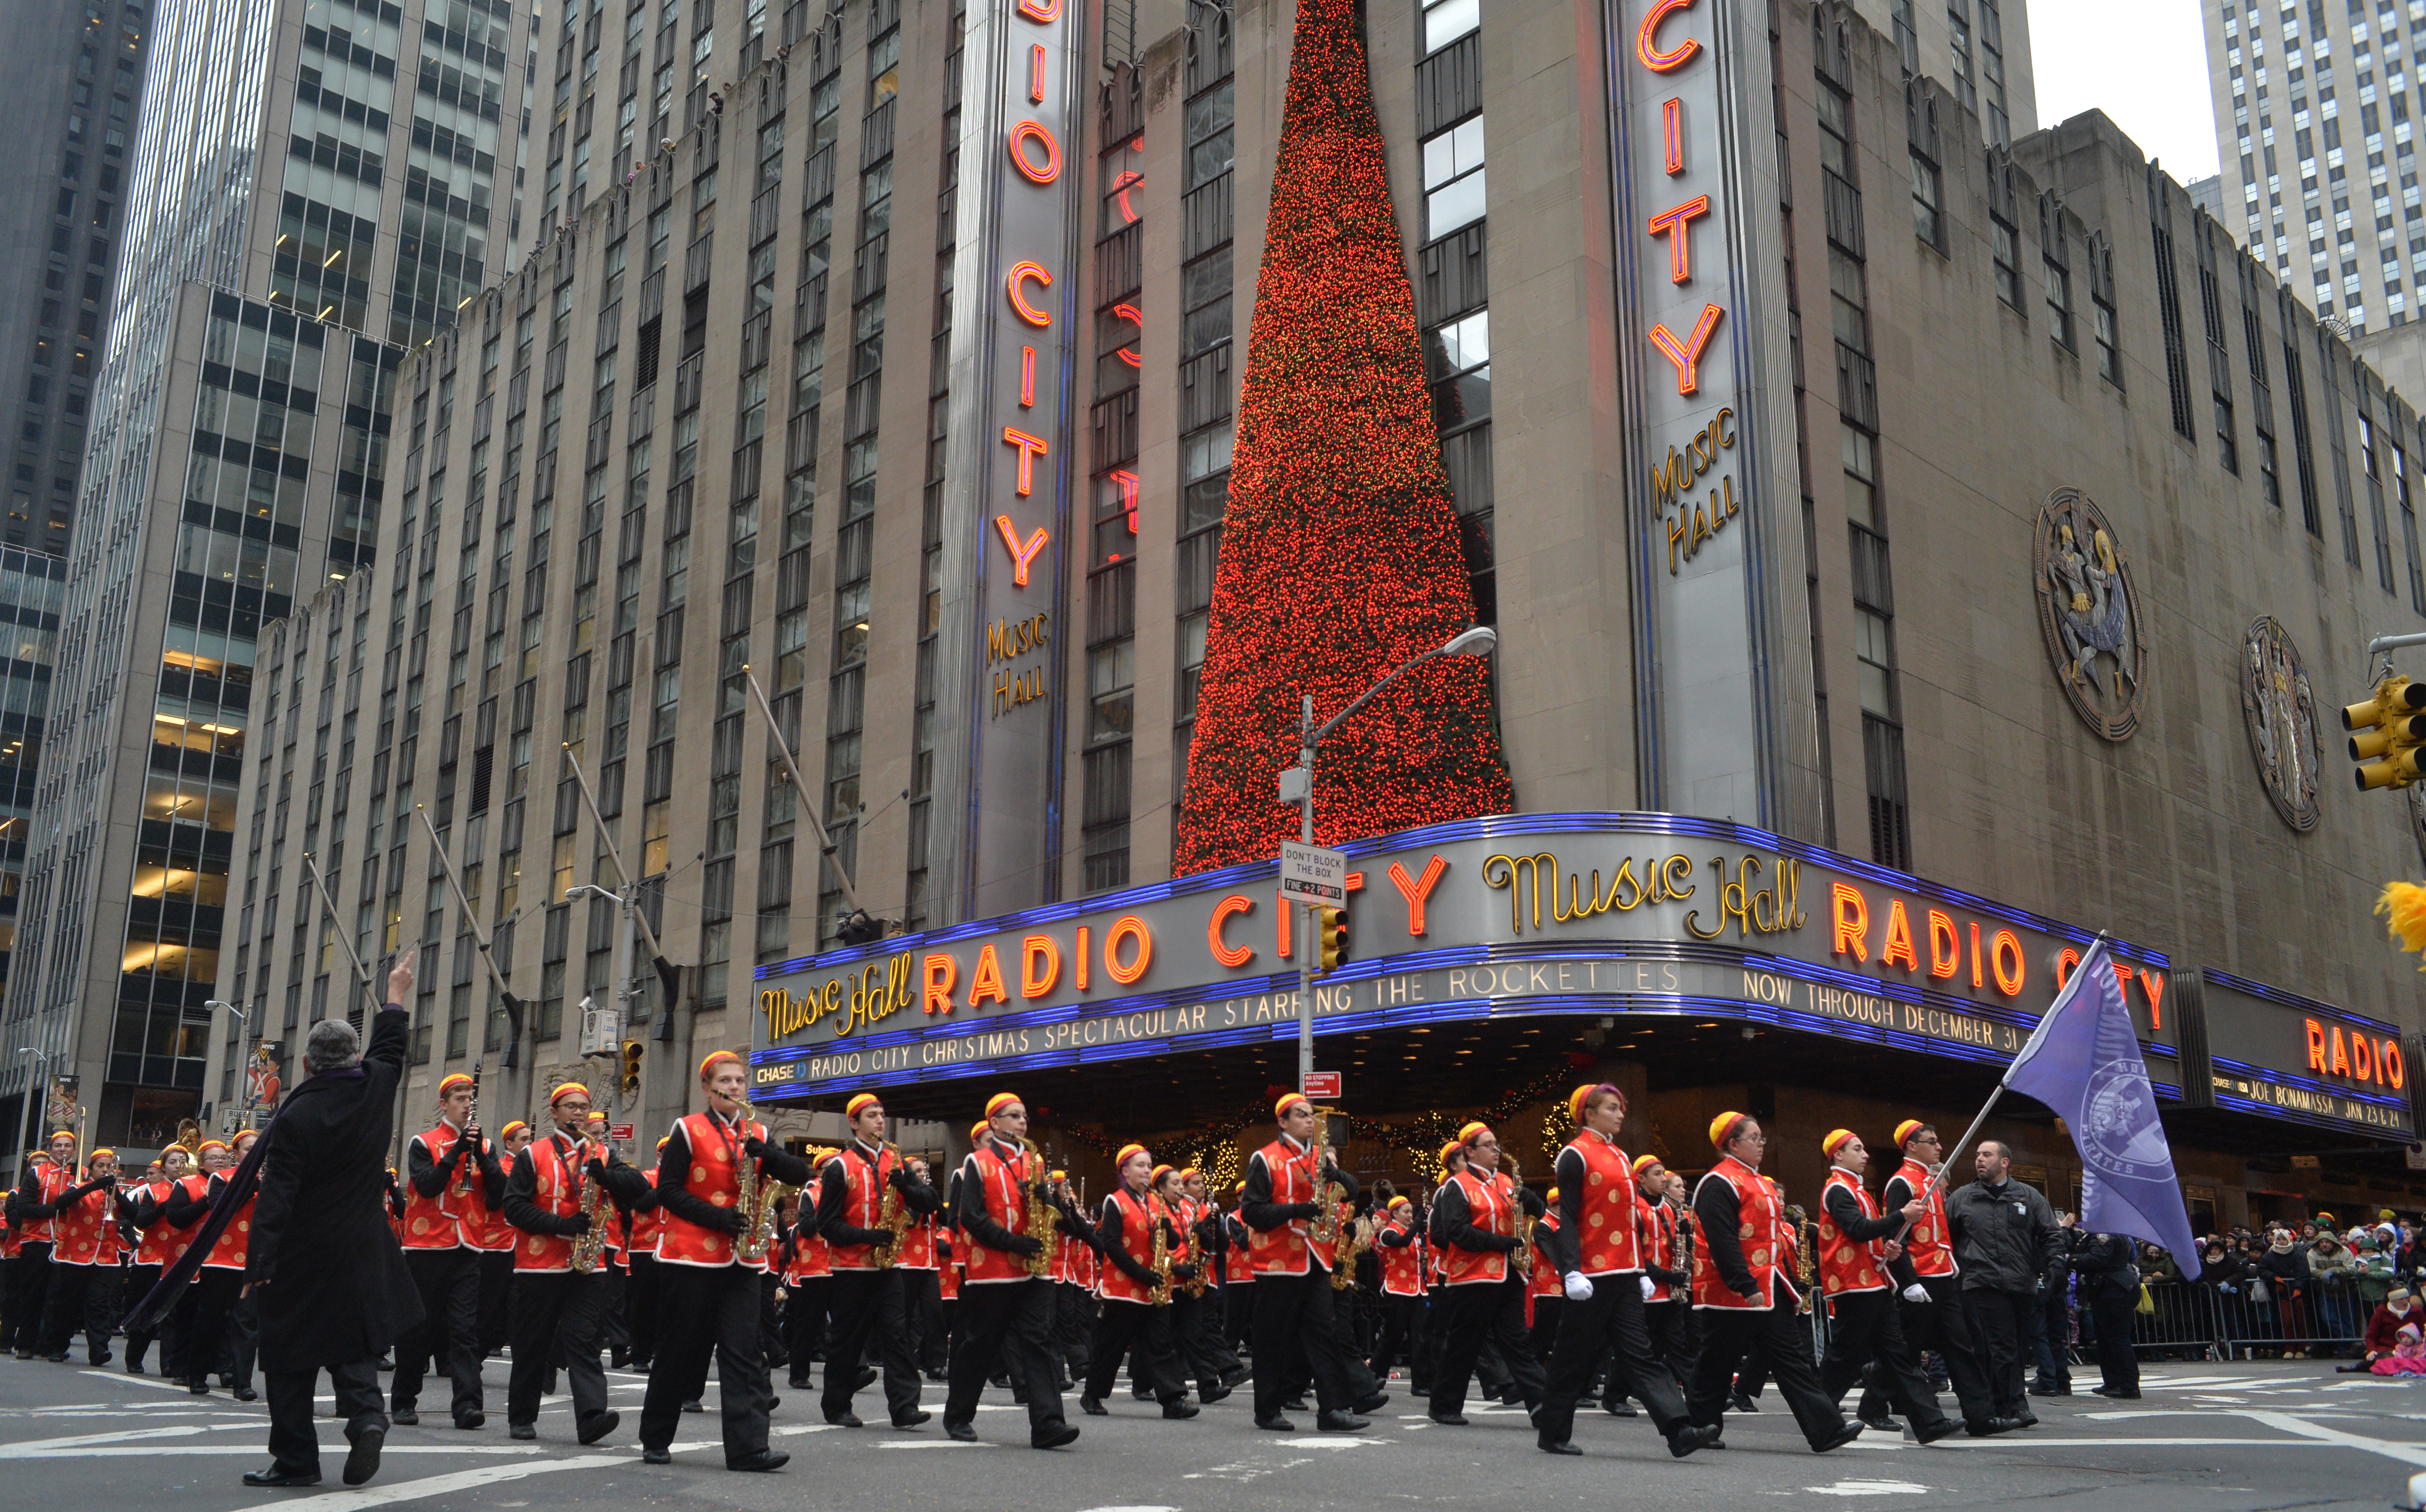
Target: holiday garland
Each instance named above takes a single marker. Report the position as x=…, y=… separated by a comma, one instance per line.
x=1340, y=560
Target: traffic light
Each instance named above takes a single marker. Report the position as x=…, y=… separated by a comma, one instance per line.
x=632, y=1050
x=2389, y=728
x=1330, y=936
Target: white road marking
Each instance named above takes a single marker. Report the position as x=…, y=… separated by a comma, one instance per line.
x=931, y=1443
x=1332, y=1443
x=1129, y=1509
x=134, y=1380
x=181, y=1451
x=24, y=1447
x=461, y=1480
x=1869, y=1488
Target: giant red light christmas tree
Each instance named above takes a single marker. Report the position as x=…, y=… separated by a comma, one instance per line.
x=1339, y=549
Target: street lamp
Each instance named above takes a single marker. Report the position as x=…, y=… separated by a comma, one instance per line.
x=1297, y=786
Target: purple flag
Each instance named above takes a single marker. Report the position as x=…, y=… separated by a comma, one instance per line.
x=2084, y=1062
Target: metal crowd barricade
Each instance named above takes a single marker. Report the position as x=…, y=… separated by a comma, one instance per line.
x=2195, y=1321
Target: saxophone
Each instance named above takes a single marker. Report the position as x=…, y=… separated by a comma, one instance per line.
x=759, y=1236
x=892, y=1214
x=1330, y=1196
x=1360, y=1239
x=1683, y=1224
x=1202, y=1253
x=589, y=1246
x=1803, y=1259
x=1524, y=1225
x=1038, y=1224
x=1159, y=1217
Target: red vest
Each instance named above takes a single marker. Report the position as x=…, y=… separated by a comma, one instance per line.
x=229, y=1253
x=1545, y=1280
x=555, y=1190
x=1402, y=1268
x=49, y=1181
x=438, y=1222
x=1657, y=1223
x=864, y=1188
x=1490, y=1206
x=198, y=1186
x=485, y=1228
x=1612, y=1245
x=88, y=1230
x=1844, y=1266
x=1927, y=1242
x=1137, y=1216
x=1758, y=1217
x=1283, y=1251
x=1003, y=1180
x=918, y=1244
x=156, y=1245
x=715, y=1178
x=947, y=1281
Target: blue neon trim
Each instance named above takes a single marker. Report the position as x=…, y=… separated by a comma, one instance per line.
x=2293, y=1000
x=2309, y=1084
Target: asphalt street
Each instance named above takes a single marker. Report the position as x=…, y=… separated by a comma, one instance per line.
x=2215, y=1438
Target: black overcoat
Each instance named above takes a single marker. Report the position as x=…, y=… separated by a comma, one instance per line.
x=332, y=1284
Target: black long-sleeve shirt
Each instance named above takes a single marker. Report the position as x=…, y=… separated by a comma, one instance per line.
x=521, y=1203
x=1453, y=1220
x=1846, y=1209
x=673, y=1174
x=430, y=1177
x=833, y=1196
x=972, y=1217
x=22, y=1204
x=184, y=1209
x=1111, y=1241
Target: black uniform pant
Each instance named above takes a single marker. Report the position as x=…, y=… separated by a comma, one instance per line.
x=1729, y=1334
x=804, y=1324
x=28, y=1289
x=1864, y=1329
x=2002, y=1325
x=496, y=1268
x=1943, y=1324
x=1401, y=1317
x=2053, y=1343
x=707, y=1311
x=449, y=1331
x=1123, y=1325
x=867, y=1307
x=1608, y=1320
x=1543, y=1337
x=640, y=1301
x=1012, y=1321
x=86, y=1297
x=771, y=1323
x=1476, y=1313
x=922, y=1303
x=293, y=1438
x=139, y=1280
x=2117, y=1361
x=1195, y=1347
x=553, y=1310
x=1239, y=1309
x=1073, y=1327
x=1675, y=1336
x=1297, y=1334
x=211, y=1303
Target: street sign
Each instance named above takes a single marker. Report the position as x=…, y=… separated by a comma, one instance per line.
x=1322, y=1085
x=618, y=1131
x=1310, y=874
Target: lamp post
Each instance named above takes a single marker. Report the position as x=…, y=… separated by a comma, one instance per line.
x=1297, y=786
x=37, y=1097
x=622, y=946
x=243, y=1022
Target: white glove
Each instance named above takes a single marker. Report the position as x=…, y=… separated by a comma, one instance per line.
x=1916, y=1292
x=1649, y=1290
x=1579, y=1286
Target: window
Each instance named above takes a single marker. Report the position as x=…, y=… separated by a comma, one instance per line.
x=1445, y=21
x=2059, y=299
x=1453, y=179
x=1861, y=476
x=1877, y=663
x=2006, y=243
x=1204, y=303
x=1928, y=200
x=1459, y=357
x=1111, y=674
x=1211, y=135
x=2101, y=299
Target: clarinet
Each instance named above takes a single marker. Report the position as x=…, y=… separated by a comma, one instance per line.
x=471, y=1120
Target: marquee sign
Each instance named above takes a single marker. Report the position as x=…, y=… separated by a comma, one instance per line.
x=1507, y=917
x=1007, y=504
x=2289, y=1056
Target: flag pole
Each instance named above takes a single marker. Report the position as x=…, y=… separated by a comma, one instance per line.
x=2046, y=1022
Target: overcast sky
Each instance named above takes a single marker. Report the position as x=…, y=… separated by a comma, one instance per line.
x=2144, y=62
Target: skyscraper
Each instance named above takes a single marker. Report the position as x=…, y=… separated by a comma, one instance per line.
x=314, y=186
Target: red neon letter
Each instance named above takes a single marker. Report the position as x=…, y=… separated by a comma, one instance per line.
x=1671, y=126
x=2341, y=1053
x=1945, y=945
x=942, y=971
x=1136, y=318
x=1031, y=447
x=1042, y=11
x=1128, y=485
x=2362, y=1058
x=1646, y=41
x=1898, y=949
x=2155, y=984
x=2064, y=962
x=1674, y=224
x=1040, y=965
x=1281, y=911
x=1029, y=131
x=1414, y=889
x=987, y=981
x=1028, y=273
x=1127, y=927
x=1079, y=958
x=1227, y=953
x=1020, y=556
x=2006, y=945
x=1126, y=179
x=1852, y=921
x=1687, y=354
x=1027, y=378
x=1976, y=962
x=1036, y=73
x=2388, y=1055
x=2316, y=1046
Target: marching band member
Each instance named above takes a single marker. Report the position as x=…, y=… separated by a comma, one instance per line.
x=495, y=1240
x=709, y=1300
x=1854, y=1251
x=1602, y=1265
x=1934, y=1319
x=146, y=1205
x=1544, y=1292
x=555, y=1306
x=808, y=1273
x=32, y=1205
x=1005, y=1309
x=922, y=1301
x=613, y=1271
x=1401, y=1252
x=1137, y=1299
x=217, y=1285
x=1296, y=1327
x=1075, y=1274
x=1476, y=1216
x=1668, y=1311
x=1743, y=1292
x=1238, y=1273
x=84, y=1264
x=1195, y=1338
x=854, y=1188
x=453, y=1183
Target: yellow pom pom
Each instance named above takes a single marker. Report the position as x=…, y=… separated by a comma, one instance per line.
x=2403, y=904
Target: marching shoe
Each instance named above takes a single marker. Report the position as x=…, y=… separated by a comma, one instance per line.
x=1737, y=1401
x=1944, y=1427
x=1993, y=1426
x=1053, y=1438
x=1449, y=1420
x=1212, y=1393
x=846, y=1420
x=1689, y=1437
x=1620, y=1408
x=1276, y=1423
x=764, y=1459
x=1180, y=1410
x=1883, y=1424
x=2029, y=1419
x=599, y=1427
x=246, y=1393
x=657, y=1457
x=1374, y=1403
x=405, y=1417
x=695, y=1405
x=522, y=1430
x=362, y=1460
x=1560, y=1449
x=1092, y=1407
x=914, y=1419
x=1843, y=1436
x=1341, y=1423
x=962, y=1432
x=468, y=1420
x=274, y=1476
